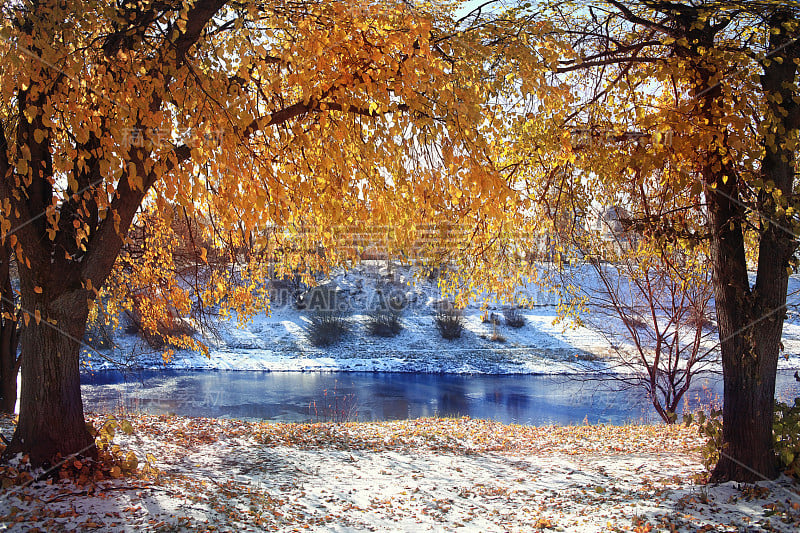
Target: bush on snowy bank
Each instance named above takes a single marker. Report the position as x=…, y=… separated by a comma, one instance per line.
x=449, y=320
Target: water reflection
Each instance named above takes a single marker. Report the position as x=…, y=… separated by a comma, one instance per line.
x=522, y=399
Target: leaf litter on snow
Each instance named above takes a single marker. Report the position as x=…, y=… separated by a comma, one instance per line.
x=428, y=474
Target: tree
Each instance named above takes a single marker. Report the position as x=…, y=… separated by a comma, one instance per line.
x=705, y=96
x=648, y=298
x=312, y=117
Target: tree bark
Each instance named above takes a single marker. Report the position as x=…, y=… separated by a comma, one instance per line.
x=747, y=340
x=51, y=423
x=750, y=319
x=747, y=453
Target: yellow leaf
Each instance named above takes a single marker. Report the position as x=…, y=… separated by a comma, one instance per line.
x=131, y=461
x=37, y=289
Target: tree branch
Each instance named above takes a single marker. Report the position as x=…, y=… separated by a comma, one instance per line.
x=612, y=61
x=630, y=16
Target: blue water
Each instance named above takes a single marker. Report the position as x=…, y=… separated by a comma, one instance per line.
x=303, y=397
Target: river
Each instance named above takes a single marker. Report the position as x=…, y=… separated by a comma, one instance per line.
x=313, y=396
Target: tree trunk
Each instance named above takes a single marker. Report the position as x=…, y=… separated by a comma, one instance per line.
x=747, y=340
x=51, y=423
x=747, y=453
x=748, y=364
x=751, y=323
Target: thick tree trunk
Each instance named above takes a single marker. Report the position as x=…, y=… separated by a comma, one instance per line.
x=751, y=323
x=51, y=423
x=56, y=268
x=749, y=345
x=746, y=343
x=750, y=327
x=747, y=452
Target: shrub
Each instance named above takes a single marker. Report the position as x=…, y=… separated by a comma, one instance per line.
x=334, y=406
x=786, y=436
x=496, y=337
x=514, y=317
x=494, y=320
x=384, y=317
x=449, y=320
x=328, y=316
x=327, y=327
x=384, y=323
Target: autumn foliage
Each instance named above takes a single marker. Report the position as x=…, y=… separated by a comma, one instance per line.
x=275, y=136
x=282, y=130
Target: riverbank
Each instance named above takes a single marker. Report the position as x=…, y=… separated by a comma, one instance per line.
x=280, y=341
x=418, y=475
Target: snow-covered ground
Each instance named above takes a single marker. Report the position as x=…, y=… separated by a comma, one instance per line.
x=279, y=341
x=426, y=474
x=420, y=475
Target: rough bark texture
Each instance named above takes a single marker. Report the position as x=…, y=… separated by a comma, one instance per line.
x=51, y=423
x=747, y=335
x=749, y=346
x=748, y=338
x=56, y=269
